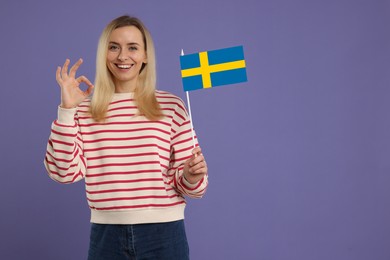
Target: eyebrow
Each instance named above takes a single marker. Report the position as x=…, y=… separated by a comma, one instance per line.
x=130, y=43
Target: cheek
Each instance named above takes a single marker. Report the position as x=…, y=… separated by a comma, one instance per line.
x=109, y=65
x=110, y=56
x=141, y=57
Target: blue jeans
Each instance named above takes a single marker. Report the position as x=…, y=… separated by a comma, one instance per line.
x=156, y=241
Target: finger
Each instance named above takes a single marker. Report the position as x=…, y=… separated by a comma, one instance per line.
x=88, y=83
x=75, y=67
x=199, y=168
x=89, y=90
x=200, y=171
x=196, y=151
x=85, y=80
x=196, y=160
x=196, y=163
x=58, y=76
x=64, y=71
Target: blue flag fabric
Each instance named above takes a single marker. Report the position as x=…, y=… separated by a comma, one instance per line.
x=213, y=68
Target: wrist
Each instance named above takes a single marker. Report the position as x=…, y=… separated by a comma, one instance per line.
x=66, y=106
x=193, y=179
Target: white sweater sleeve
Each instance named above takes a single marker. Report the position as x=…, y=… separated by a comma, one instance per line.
x=181, y=147
x=64, y=158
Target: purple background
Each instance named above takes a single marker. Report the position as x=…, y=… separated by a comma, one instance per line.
x=298, y=155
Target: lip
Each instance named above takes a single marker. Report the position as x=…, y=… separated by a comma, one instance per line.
x=123, y=66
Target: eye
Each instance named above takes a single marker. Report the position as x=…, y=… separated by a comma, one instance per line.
x=113, y=47
x=133, y=48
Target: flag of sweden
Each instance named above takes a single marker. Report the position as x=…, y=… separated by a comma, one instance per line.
x=213, y=68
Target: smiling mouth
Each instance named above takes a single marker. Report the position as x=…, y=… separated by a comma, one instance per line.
x=124, y=66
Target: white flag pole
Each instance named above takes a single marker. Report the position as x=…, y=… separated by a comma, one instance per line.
x=189, y=111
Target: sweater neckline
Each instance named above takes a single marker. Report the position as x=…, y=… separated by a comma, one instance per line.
x=123, y=95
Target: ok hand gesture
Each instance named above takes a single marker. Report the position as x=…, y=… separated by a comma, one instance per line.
x=71, y=94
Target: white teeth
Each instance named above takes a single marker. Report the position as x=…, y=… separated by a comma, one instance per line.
x=124, y=66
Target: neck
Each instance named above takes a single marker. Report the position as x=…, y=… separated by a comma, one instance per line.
x=125, y=87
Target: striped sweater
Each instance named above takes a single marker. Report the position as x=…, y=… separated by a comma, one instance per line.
x=133, y=167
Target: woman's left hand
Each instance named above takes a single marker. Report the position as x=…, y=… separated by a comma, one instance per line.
x=195, y=168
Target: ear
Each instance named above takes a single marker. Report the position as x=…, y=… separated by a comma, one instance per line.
x=145, y=59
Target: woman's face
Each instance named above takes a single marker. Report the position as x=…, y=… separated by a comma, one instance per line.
x=125, y=56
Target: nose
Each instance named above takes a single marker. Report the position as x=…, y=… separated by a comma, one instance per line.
x=123, y=55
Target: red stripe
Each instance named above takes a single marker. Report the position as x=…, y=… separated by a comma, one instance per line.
x=183, y=141
x=167, y=95
x=123, y=164
x=63, y=134
x=125, y=147
x=124, y=123
x=134, y=198
x=117, y=156
x=123, y=181
x=122, y=108
x=180, y=160
x=60, y=175
x=121, y=101
x=121, y=173
x=164, y=166
x=61, y=125
x=77, y=175
x=62, y=160
x=83, y=161
x=61, y=142
x=182, y=108
x=63, y=151
x=188, y=148
x=164, y=158
x=182, y=117
x=174, y=181
x=179, y=168
x=126, y=131
x=124, y=190
x=73, y=179
x=169, y=103
x=188, y=188
x=120, y=156
x=171, y=172
x=176, y=123
x=119, y=115
x=197, y=194
x=167, y=109
x=58, y=167
x=181, y=133
x=126, y=139
x=140, y=206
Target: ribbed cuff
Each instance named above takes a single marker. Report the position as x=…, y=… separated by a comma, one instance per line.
x=191, y=185
x=66, y=115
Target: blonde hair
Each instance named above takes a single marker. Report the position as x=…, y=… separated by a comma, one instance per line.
x=144, y=93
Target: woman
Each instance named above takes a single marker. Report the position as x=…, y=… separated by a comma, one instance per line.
x=132, y=144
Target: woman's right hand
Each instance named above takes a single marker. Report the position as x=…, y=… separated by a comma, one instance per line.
x=71, y=94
